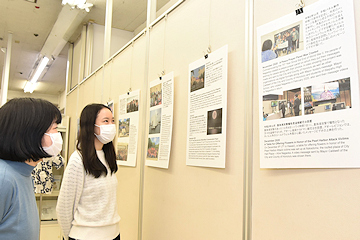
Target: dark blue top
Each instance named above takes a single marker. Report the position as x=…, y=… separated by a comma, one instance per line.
x=19, y=217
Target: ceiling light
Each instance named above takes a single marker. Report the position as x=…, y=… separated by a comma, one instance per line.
x=81, y=4
x=40, y=67
x=29, y=87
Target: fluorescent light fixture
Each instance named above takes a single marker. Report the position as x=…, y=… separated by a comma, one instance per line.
x=81, y=4
x=29, y=87
x=40, y=68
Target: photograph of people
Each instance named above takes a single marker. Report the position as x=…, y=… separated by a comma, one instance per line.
x=282, y=108
x=327, y=96
x=132, y=104
x=153, y=148
x=297, y=103
x=86, y=206
x=156, y=95
x=28, y=133
x=124, y=127
x=267, y=52
x=284, y=41
x=277, y=106
x=295, y=39
x=122, y=151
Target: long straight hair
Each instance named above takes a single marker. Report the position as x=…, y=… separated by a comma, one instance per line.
x=86, y=143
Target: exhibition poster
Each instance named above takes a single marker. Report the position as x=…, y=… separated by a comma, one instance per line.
x=160, y=121
x=207, y=107
x=128, y=130
x=309, y=89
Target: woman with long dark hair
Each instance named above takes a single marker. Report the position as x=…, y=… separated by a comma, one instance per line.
x=28, y=133
x=86, y=205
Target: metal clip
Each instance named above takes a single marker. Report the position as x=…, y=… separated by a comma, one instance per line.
x=299, y=7
x=161, y=74
x=208, y=50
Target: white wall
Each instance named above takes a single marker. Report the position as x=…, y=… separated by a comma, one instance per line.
x=181, y=202
x=118, y=39
x=185, y=202
x=62, y=100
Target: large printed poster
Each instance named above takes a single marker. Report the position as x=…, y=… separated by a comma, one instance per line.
x=128, y=128
x=207, y=107
x=308, y=89
x=160, y=122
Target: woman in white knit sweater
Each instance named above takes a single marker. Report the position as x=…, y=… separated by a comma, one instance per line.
x=86, y=205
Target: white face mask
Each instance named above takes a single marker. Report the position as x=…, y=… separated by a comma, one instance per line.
x=56, y=145
x=107, y=133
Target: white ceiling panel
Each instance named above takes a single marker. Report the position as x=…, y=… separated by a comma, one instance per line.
x=24, y=19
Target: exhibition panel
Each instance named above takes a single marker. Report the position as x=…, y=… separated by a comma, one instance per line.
x=306, y=203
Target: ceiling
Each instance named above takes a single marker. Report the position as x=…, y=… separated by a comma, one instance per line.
x=31, y=22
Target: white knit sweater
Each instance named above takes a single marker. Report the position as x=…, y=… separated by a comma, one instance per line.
x=87, y=204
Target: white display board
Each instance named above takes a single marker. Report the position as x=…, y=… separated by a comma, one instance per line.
x=207, y=107
x=128, y=128
x=160, y=121
x=308, y=89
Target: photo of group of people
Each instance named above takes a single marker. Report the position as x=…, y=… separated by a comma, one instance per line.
x=197, y=80
x=214, y=121
x=122, y=151
x=124, y=126
x=282, y=42
x=155, y=121
x=132, y=104
x=282, y=106
x=153, y=148
x=155, y=95
x=327, y=97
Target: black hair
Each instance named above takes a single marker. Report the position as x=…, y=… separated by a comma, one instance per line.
x=23, y=122
x=267, y=45
x=86, y=145
x=296, y=95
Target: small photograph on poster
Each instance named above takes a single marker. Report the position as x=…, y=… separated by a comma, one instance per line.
x=327, y=97
x=282, y=42
x=282, y=106
x=132, y=104
x=124, y=126
x=155, y=95
x=197, y=78
x=155, y=121
x=153, y=148
x=122, y=151
x=214, y=121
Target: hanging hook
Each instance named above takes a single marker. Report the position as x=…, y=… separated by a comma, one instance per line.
x=129, y=91
x=208, y=50
x=161, y=74
x=302, y=4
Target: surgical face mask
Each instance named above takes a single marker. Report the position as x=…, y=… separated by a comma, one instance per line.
x=107, y=133
x=56, y=145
